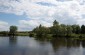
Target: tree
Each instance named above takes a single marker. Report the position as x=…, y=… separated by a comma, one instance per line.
x=82, y=29
x=76, y=29
x=13, y=30
x=56, y=29
x=55, y=23
x=69, y=30
x=63, y=29
x=4, y=33
x=59, y=30
x=40, y=26
x=41, y=31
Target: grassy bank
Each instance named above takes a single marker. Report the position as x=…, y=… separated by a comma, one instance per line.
x=17, y=34
x=50, y=36
x=46, y=36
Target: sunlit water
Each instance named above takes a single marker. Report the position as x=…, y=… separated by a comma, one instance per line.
x=31, y=46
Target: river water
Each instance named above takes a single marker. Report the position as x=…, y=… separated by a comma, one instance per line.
x=31, y=46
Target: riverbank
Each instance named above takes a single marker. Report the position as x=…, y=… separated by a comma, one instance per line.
x=51, y=36
x=5, y=33
x=47, y=36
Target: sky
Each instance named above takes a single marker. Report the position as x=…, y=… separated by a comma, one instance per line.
x=27, y=14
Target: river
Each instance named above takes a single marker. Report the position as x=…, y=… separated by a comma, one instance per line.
x=23, y=45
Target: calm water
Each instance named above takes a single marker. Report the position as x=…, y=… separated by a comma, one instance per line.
x=30, y=46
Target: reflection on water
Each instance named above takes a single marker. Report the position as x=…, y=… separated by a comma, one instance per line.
x=67, y=47
x=30, y=46
x=66, y=43
x=13, y=40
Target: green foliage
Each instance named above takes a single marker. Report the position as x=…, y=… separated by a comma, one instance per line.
x=13, y=30
x=41, y=31
x=3, y=33
x=83, y=29
x=22, y=34
x=55, y=23
x=56, y=30
x=63, y=30
x=76, y=29
x=31, y=34
x=69, y=30
x=59, y=30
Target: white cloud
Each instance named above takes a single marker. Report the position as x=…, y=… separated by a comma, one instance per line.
x=30, y=24
x=3, y=26
x=65, y=11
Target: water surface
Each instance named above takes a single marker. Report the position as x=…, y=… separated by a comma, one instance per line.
x=31, y=46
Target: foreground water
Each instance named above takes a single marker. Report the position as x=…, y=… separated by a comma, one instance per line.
x=31, y=46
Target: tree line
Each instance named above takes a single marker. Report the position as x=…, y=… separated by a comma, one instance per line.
x=56, y=30
x=59, y=30
x=12, y=31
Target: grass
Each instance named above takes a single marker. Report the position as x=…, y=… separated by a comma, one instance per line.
x=18, y=34
x=48, y=36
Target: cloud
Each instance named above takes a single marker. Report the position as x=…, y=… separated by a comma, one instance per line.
x=30, y=24
x=3, y=26
x=45, y=11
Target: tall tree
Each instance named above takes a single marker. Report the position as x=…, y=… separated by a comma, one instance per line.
x=55, y=23
x=82, y=29
x=13, y=30
x=56, y=29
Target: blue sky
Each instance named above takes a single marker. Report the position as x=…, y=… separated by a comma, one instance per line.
x=12, y=19
x=27, y=14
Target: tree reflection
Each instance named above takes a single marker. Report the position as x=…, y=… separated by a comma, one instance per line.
x=12, y=39
x=63, y=42
x=83, y=43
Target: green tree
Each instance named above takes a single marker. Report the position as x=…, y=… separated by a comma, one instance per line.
x=69, y=30
x=55, y=23
x=13, y=30
x=41, y=31
x=4, y=33
x=76, y=29
x=63, y=29
x=82, y=29
x=56, y=29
